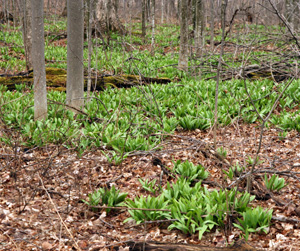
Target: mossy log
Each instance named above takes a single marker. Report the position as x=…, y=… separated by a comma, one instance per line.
x=57, y=78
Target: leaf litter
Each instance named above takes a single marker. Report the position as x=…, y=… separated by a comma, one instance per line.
x=41, y=191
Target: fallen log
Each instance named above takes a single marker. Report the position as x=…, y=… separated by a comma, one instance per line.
x=57, y=78
x=240, y=245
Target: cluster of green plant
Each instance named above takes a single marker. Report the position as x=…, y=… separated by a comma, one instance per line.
x=254, y=220
x=190, y=171
x=149, y=186
x=192, y=208
x=196, y=209
x=104, y=196
x=129, y=118
x=274, y=183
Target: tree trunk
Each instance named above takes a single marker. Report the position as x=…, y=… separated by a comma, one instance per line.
x=38, y=60
x=212, y=24
x=144, y=19
x=152, y=24
x=162, y=10
x=27, y=32
x=107, y=17
x=219, y=68
x=90, y=48
x=199, y=25
x=183, y=51
x=75, y=54
x=292, y=11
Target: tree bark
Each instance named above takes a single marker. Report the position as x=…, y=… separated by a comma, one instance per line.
x=162, y=10
x=219, y=68
x=292, y=12
x=144, y=19
x=107, y=17
x=38, y=59
x=183, y=51
x=90, y=48
x=240, y=245
x=27, y=32
x=152, y=24
x=75, y=54
x=212, y=24
x=199, y=25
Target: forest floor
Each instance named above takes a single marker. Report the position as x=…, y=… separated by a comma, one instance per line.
x=41, y=192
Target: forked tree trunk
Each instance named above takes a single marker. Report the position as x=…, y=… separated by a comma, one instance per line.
x=38, y=60
x=107, y=17
x=183, y=51
x=75, y=31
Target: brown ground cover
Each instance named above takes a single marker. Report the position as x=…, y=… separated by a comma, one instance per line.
x=41, y=191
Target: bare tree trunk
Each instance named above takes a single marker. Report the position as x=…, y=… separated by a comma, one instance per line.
x=183, y=51
x=292, y=13
x=144, y=19
x=27, y=32
x=162, y=10
x=90, y=48
x=148, y=9
x=212, y=24
x=75, y=31
x=223, y=22
x=38, y=60
x=152, y=24
x=199, y=25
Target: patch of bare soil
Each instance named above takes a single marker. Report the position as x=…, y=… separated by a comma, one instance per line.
x=41, y=191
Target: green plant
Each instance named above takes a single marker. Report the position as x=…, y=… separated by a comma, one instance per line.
x=190, y=123
x=158, y=204
x=115, y=158
x=282, y=135
x=250, y=161
x=254, y=220
x=149, y=186
x=234, y=171
x=181, y=188
x=274, y=183
x=190, y=171
x=192, y=215
x=222, y=152
x=103, y=196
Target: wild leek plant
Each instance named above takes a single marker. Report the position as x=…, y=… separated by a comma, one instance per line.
x=103, y=196
x=274, y=183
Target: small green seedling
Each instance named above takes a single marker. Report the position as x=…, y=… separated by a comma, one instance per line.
x=275, y=183
x=282, y=135
x=234, y=171
x=251, y=161
x=222, y=152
